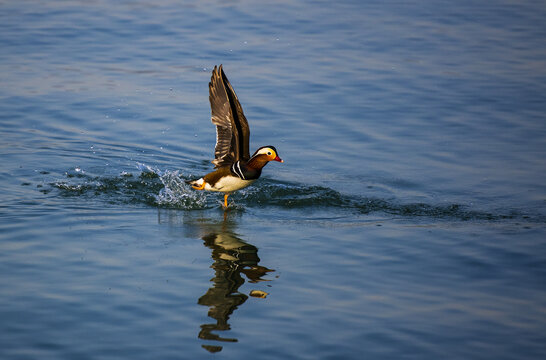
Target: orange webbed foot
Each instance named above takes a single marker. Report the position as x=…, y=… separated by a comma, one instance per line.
x=198, y=187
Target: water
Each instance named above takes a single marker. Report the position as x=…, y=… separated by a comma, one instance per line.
x=407, y=221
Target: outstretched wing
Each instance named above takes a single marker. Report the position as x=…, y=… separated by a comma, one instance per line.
x=232, y=132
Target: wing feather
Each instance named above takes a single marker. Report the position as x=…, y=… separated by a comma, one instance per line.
x=240, y=122
x=232, y=132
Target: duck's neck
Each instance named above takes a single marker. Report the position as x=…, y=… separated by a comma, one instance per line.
x=257, y=162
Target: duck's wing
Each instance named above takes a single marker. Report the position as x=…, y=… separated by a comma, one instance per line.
x=241, y=124
x=232, y=132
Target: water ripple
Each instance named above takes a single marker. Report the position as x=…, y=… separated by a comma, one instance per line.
x=167, y=189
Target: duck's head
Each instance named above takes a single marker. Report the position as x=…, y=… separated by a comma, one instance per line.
x=268, y=153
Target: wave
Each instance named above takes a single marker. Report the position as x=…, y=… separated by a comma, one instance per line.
x=167, y=189
x=302, y=196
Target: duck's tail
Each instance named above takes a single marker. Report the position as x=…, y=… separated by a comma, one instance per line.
x=198, y=184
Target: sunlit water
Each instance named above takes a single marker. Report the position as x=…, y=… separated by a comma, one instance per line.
x=408, y=220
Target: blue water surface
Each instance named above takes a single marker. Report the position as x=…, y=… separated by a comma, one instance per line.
x=408, y=220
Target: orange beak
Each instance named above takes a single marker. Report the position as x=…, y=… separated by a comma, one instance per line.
x=278, y=159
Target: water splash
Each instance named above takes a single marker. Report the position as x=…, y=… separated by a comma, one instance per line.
x=151, y=186
x=176, y=193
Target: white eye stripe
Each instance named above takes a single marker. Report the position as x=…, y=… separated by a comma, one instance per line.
x=266, y=151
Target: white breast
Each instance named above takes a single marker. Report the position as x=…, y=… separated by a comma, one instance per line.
x=229, y=184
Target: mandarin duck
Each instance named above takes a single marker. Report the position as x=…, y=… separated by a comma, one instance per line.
x=235, y=168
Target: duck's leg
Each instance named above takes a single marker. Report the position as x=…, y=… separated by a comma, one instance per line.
x=225, y=200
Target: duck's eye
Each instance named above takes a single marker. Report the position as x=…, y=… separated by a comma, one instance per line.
x=269, y=153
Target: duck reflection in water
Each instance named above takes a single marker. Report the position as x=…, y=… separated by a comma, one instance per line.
x=232, y=257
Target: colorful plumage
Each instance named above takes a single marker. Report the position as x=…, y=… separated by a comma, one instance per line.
x=235, y=168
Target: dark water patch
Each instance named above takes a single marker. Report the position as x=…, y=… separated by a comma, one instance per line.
x=455, y=211
x=288, y=195
x=123, y=189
